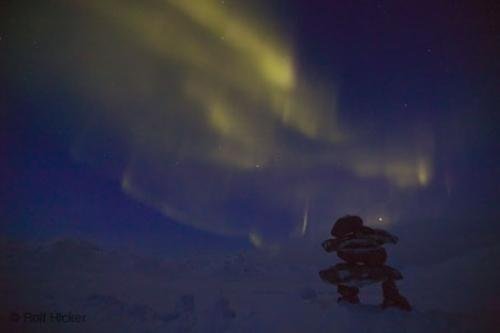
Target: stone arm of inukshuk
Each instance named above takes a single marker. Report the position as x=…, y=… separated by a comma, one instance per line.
x=364, y=235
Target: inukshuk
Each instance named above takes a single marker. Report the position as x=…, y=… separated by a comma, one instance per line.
x=362, y=250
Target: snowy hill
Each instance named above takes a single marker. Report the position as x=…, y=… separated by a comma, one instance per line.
x=245, y=292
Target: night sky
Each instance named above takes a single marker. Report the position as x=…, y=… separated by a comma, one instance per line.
x=216, y=125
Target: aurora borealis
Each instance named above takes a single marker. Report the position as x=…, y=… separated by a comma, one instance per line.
x=263, y=120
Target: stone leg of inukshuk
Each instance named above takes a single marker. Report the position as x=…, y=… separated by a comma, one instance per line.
x=392, y=297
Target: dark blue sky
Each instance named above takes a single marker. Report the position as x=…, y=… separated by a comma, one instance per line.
x=414, y=90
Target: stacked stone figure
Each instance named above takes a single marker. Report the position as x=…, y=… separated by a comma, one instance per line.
x=364, y=255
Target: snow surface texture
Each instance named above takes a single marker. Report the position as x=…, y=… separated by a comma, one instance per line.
x=248, y=292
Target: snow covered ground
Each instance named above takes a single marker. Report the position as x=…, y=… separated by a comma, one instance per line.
x=244, y=292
